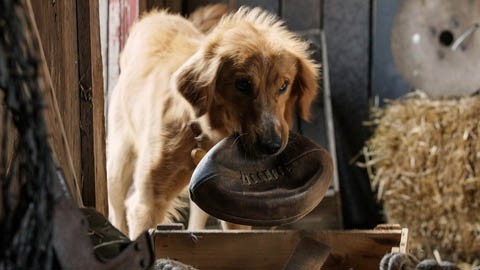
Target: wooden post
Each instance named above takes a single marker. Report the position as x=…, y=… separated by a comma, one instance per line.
x=58, y=49
x=172, y=5
x=92, y=121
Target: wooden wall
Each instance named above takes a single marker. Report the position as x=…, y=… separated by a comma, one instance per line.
x=386, y=80
x=347, y=25
x=69, y=32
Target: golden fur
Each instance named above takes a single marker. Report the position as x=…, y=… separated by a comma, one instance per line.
x=246, y=76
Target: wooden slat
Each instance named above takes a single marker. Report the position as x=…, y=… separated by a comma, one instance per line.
x=57, y=26
x=302, y=15
x=103, y=17
x=173, y=5
x=386, y=80
x=270, y=5
x=191, y=5
x=344, y=22
x=92, y=127
x=122, y=15
x=271, y=249
x=304, y=18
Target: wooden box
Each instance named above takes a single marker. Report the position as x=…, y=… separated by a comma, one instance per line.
x=270, y=249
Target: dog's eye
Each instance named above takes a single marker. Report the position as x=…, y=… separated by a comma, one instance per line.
x=244, y=85
x=283, y=88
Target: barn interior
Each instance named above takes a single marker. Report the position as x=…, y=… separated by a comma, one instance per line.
x=385, y=170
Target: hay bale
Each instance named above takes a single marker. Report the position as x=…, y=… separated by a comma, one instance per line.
x=424, y=161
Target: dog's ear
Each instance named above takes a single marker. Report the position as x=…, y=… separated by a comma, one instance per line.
x=305, y=86
x=196, y=79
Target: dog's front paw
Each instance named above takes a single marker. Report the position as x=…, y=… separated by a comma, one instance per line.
x=166, y=264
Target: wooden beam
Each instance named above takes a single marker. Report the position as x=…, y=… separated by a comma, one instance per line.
x=57, y=26
x=191, y=5
x=270, y=5
x=92, y=121
x=349, y=64
x=173, y=5
x=302, y=15
x=266, y=249
x=53, y=117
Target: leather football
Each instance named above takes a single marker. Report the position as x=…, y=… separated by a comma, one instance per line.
x=279, y=189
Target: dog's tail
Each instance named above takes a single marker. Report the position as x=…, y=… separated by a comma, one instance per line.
x=207, y=17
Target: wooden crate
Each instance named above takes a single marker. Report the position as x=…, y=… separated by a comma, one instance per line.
x=269, y=249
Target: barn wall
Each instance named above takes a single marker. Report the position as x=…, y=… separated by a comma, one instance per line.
x=69, y=32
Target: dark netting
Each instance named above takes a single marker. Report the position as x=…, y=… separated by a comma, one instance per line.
x=26, y=166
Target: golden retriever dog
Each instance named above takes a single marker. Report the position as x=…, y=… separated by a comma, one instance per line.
x=247, y=75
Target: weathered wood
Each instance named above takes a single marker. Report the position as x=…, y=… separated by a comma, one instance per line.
x=58, y=137
x=173, y=5
x=271, y=249
x=386, y=80
x=191, y=5
x=57, y=27
x=344, y=22
x=302, y=15
x=92, y=122
x=404, y=241
x=270, y=5
x=309, y=254
x=122, y=15
x=103, y=18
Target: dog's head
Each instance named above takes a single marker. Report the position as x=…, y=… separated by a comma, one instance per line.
x=248, y=77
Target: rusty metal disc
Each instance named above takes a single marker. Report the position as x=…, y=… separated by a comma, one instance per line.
x=436, y=45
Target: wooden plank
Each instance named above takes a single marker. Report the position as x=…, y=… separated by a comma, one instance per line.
x=227, y=250
x=271, y=249
x=191, y=5
x=386, y=80
x=174, y=6
x=404, y=241
x=302, y=15
x=270, y=5
x=103, y=17
x=122, y=15
x=54, y=116
x=92, y=127
x=345, y=21
x=57, y=26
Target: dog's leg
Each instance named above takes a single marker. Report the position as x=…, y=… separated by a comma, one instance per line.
x=156, y=184
x=144, y=211
x=197, y=218
x=232, y=226
x=119, y=174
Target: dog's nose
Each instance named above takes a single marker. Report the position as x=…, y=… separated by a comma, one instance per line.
x=270, y=146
